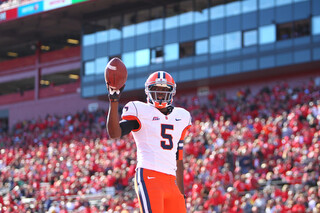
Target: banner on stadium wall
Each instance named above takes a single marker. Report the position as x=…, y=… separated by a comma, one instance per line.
x=54, y=4
x=35, y=7
x=8, y=14
x=30, y=9
x=77, y=1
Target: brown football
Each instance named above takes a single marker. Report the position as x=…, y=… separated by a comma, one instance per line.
x=115, y=73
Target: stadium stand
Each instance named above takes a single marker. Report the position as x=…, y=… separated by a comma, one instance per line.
x=264, y=159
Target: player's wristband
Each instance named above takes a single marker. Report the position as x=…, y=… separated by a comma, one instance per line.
x=114, y=98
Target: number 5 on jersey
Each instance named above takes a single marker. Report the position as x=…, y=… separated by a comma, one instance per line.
x=168, y=143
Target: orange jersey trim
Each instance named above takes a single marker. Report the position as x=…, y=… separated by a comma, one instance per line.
x=132, y=118
x=184, y=132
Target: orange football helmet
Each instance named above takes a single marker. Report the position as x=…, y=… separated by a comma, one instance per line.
x=160, y=89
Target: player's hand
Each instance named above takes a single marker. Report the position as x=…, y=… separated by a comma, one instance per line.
x=114, y=95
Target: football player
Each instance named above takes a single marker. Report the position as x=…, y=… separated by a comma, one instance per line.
x=158, y=129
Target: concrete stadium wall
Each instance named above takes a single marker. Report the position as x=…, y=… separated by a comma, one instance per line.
x=71, y=103
x=60, y=105
x=292, y=82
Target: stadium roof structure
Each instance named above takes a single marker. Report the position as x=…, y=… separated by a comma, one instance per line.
x=57, y=25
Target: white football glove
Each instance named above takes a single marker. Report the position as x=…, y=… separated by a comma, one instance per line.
x=114, y=95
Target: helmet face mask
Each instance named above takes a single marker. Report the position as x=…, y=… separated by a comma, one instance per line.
x=160, y=89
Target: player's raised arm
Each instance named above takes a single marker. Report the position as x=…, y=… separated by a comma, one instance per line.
x=115, y=76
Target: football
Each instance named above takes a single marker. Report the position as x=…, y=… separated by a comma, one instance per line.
x=115, y=73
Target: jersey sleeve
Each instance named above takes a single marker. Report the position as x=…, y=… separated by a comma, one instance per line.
x=187, y=126
x=179, y=154
x=189, y=120
x=130, y=112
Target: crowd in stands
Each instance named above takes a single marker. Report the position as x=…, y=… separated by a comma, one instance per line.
x=253, y=152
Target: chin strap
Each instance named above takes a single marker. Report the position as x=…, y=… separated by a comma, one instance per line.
x=170, y=108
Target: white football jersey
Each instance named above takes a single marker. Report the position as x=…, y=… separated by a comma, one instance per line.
x=159, y=138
